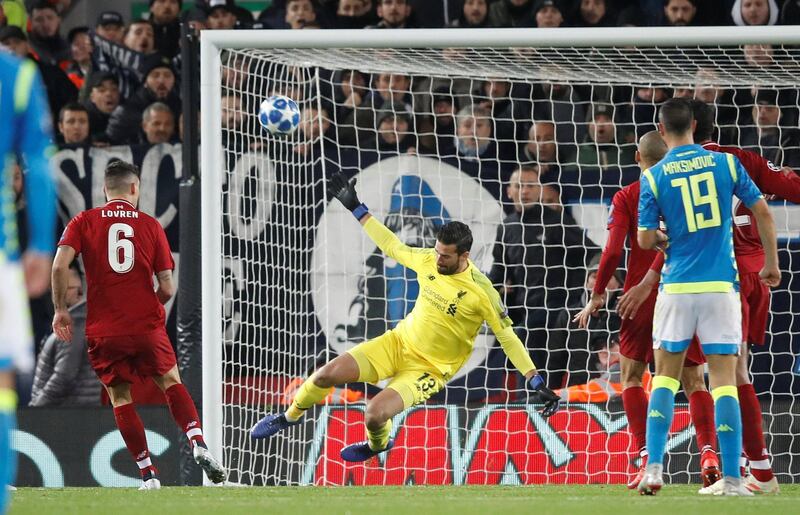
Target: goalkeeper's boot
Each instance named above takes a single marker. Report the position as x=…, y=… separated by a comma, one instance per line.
x=709, y=466
x=214, y=471
x=270, y=425
x=362, y=452
x=633, y=484
x=761, y=487
x=653, y=480
x=734, y=486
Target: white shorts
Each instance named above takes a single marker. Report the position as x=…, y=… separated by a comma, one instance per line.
x=16, y=337
x=716, y=319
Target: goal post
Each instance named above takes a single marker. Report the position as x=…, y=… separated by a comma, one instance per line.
x=289, y=280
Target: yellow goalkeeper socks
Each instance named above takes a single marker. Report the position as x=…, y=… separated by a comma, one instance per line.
x=378, y=440
x=307, y=395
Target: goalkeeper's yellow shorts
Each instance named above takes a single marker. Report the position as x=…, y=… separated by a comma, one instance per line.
x=414, y=378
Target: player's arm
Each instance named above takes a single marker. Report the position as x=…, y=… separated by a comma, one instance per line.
x=649, y=237
x=609, y=261
x=749, y=194
x=166, y=287
x=62, y=321
x=502, y=327
x=518, y=355
x=163, y=265
x=385, y=239
x=630, y=301
x=34, y=149
x=770, y=274
x=771, y=180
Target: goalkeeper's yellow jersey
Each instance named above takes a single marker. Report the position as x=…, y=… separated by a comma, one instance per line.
x=449, y=310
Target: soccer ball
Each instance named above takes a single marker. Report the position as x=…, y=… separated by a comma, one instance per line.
x=279, y=115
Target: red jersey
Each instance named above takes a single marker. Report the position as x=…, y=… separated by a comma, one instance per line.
x=771, y=181
x=623, y=218
x=122, y=249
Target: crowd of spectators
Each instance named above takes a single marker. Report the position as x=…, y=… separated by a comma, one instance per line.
x=536, y=146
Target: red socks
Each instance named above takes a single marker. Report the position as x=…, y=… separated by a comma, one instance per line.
x=182, y=408
x=131, y=428
x=132, y=431
x=754, y=445
x=634, y=400
x=701, y=409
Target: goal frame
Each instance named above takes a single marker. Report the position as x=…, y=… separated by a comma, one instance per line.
x=213, y=41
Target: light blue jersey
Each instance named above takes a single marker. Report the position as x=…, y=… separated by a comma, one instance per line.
x=692, y=189
x=25, y=136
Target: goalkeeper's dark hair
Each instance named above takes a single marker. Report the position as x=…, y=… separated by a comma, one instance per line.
x=456, y=233
x=120, y=174
x=676, y=115
x=704, y=116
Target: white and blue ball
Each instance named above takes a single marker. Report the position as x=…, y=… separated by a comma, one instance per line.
x=279, y=115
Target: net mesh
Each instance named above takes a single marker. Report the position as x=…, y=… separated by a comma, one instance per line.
x=435, y=135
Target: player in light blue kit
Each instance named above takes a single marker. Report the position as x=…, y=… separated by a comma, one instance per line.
x=25, y=137
x=692, y=189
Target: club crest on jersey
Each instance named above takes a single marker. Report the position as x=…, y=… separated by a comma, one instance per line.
x=453, y=307
x=772, y=166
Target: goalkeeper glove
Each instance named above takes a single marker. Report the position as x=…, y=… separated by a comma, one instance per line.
x=345, y=191
x=546, y=395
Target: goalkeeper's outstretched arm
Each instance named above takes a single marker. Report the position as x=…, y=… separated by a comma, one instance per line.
x=385, y=239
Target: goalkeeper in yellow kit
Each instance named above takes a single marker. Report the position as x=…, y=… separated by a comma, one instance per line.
x=427, y=347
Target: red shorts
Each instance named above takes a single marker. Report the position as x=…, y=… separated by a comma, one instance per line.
x=755, y=308
x=124, y=359
x=636, y=337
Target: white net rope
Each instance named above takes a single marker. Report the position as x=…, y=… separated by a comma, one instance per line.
x=432, y=136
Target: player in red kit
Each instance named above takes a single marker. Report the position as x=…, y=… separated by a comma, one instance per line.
x=636, y=334
x=755, y=295
x=122, y=249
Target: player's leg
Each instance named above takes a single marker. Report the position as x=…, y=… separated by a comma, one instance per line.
x=722, y=372
x=634, y=401
x=674, y=323
x=341, y=370
x=366, y=362
x=378, y=419
x=701, y=409
x=660, y=412
x=8, y=408
x=411, y=386
x=181, y=406
x=132, y=430
x=16, y=353
x=184, y=412
x=755, y=312
x=719, y=329
x=761, y=478
x=636, y=351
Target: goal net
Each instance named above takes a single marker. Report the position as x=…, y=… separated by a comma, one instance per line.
x=523, y=135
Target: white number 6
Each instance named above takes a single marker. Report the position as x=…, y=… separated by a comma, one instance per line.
x=120, y=262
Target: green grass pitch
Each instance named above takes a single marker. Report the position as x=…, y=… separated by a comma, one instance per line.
x=416, y=500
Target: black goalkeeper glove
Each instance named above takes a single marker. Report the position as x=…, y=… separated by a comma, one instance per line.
x=345, y=191
x=547, y=396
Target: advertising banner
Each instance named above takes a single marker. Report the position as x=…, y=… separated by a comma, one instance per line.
x=60, y=447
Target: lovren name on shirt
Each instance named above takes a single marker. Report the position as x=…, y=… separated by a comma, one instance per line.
x=118, y=213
